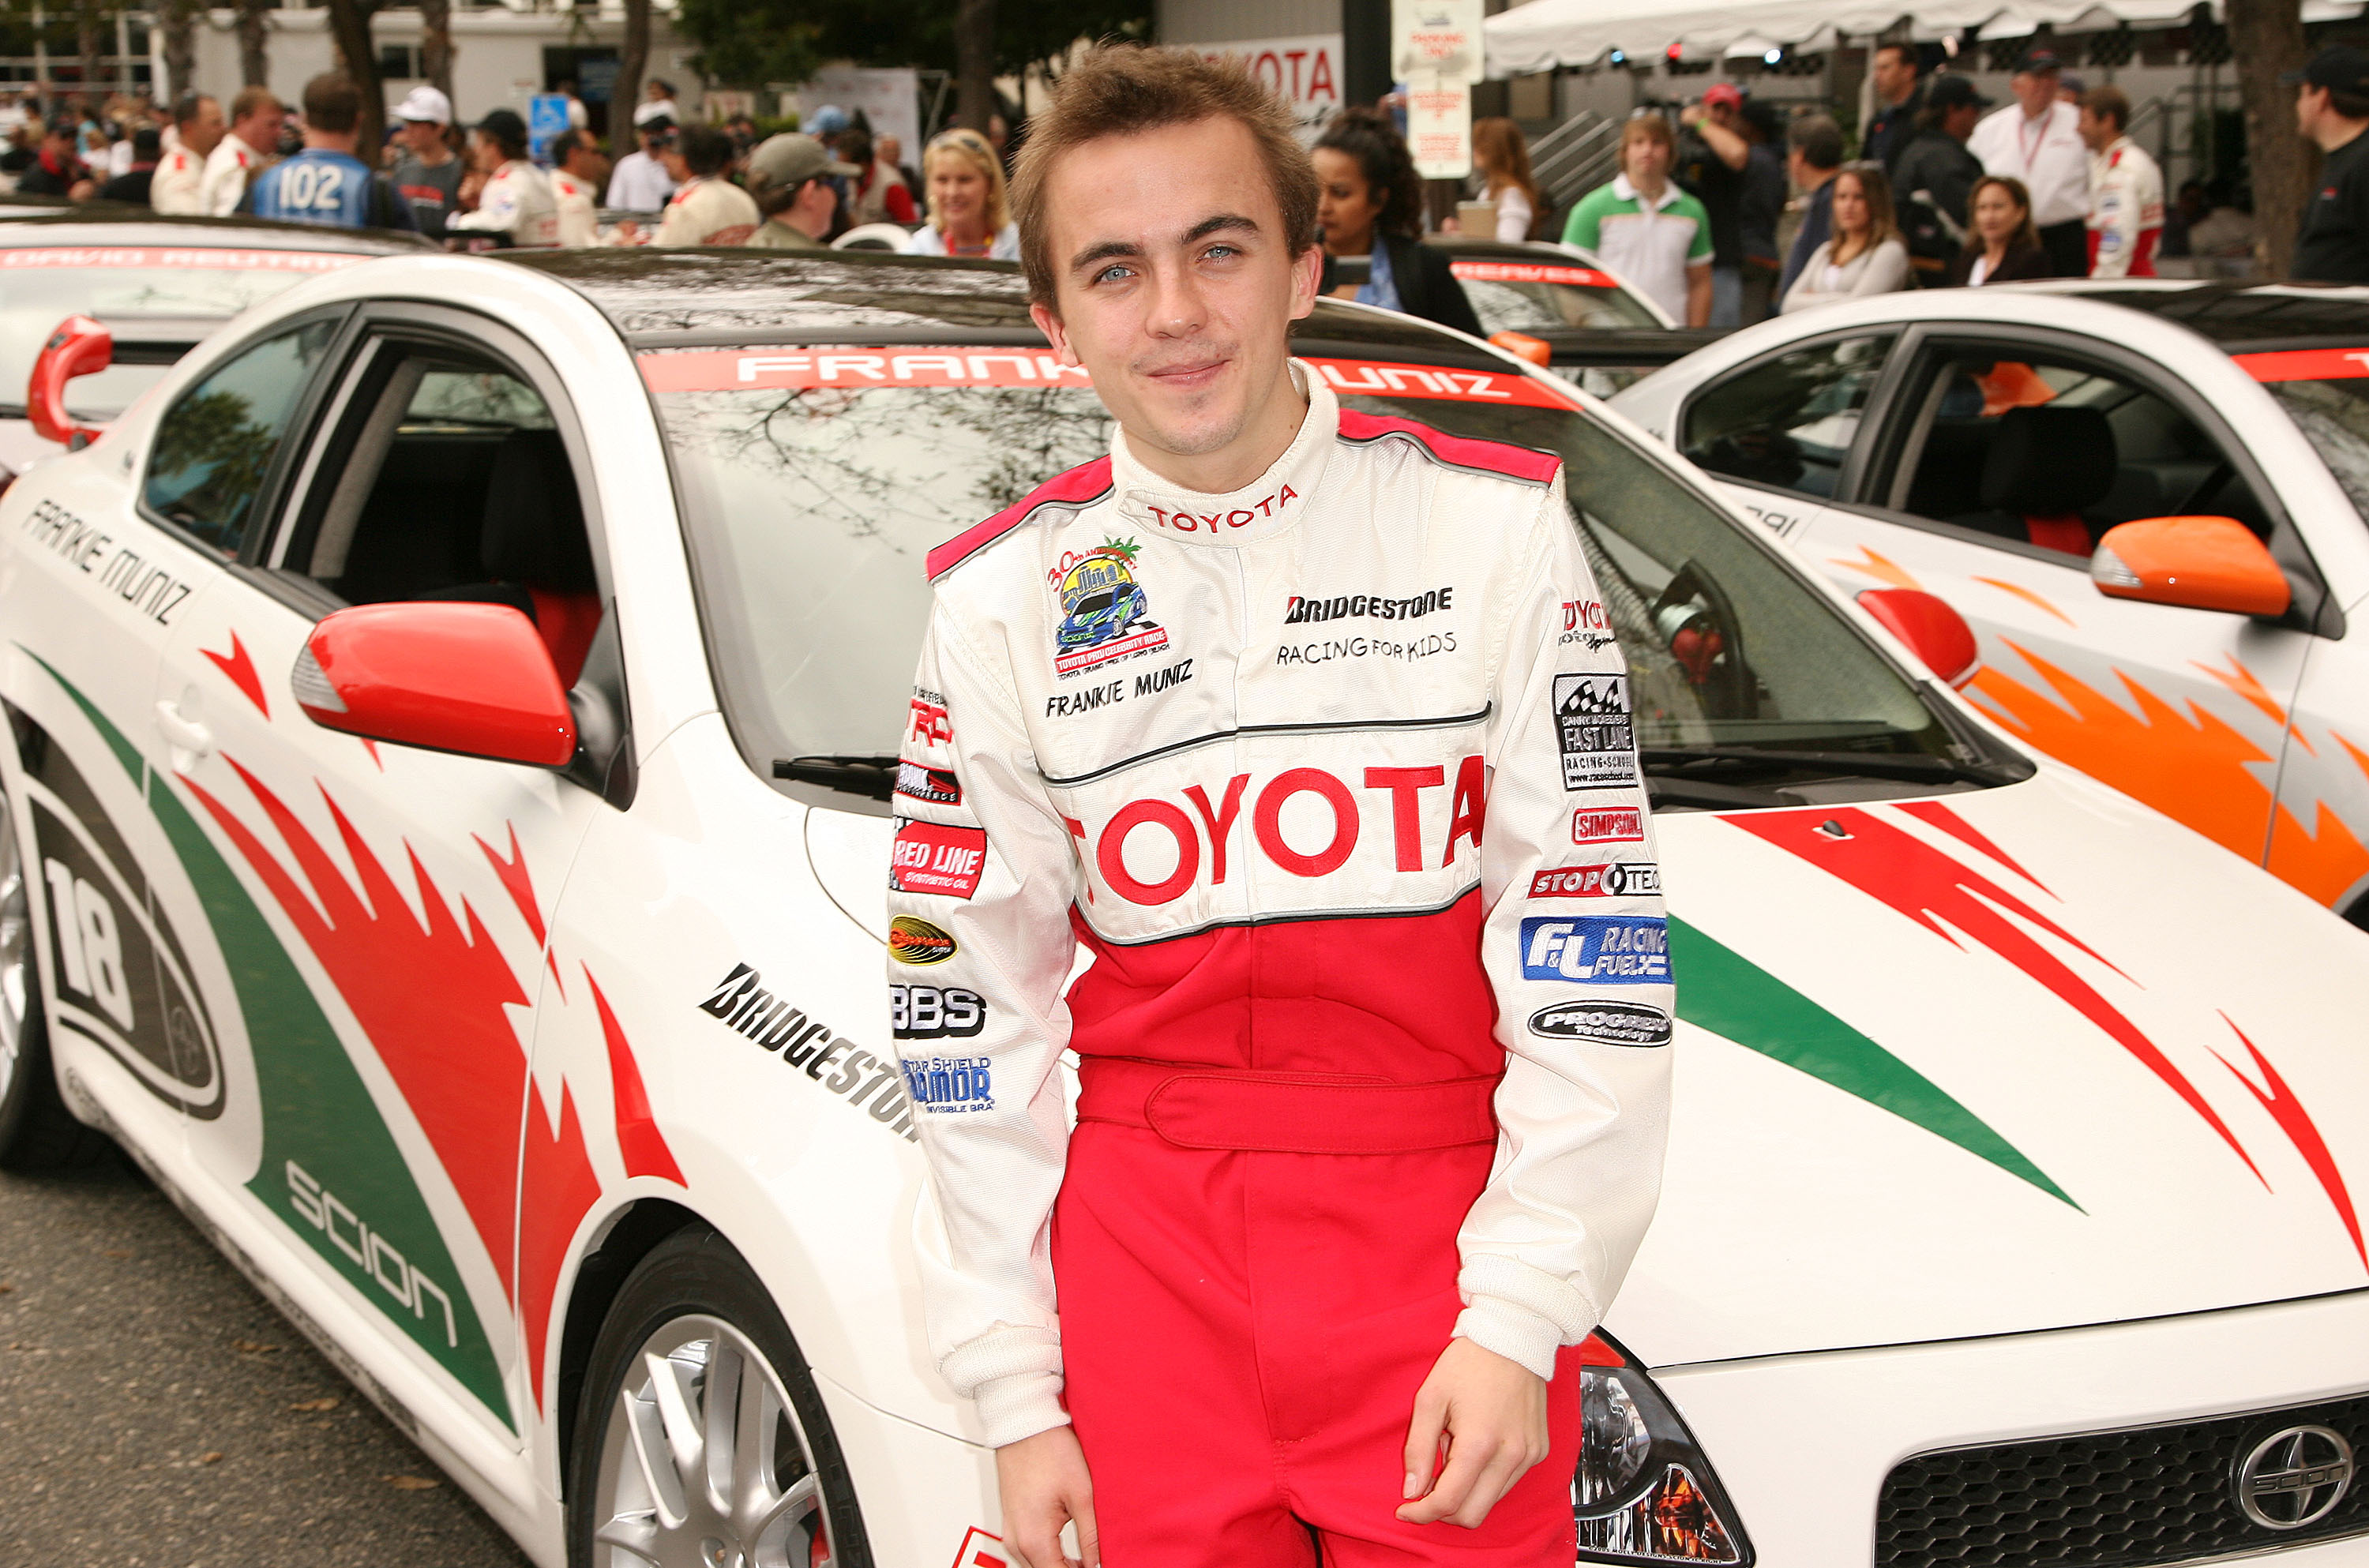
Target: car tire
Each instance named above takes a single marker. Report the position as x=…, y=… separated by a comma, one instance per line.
x=642, y=1484
x=37, y=1132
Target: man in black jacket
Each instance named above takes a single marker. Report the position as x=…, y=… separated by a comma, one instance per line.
x=2332, y=109
x=1936, y=170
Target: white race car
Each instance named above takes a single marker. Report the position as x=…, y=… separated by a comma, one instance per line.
x=1981, y=443
x=454, y=722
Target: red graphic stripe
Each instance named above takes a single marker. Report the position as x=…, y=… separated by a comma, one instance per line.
x=1936, y=814
x=1080, y=484
x=1920, y=882
x=1463, y=451
x=638, y=1138
x=2305, y=364
x=520, y=884
x=432, y=998
x=241, y=670
x=2296, y=1122
x=557, y=1189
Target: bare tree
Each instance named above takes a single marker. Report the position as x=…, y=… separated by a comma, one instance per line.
x=974, y=63
x=180, y=26
x=2266, y=38
x=350, y=27
x=625, y=93
x=436, y=44
x=254, y=32
x=93, y=31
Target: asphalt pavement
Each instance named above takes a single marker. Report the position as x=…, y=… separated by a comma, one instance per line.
x=154, y=1413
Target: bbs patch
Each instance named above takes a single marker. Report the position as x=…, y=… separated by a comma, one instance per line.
x=935, y=1013
x=1595, y=731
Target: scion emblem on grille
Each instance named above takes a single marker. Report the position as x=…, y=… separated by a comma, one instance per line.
x=2294, y=1477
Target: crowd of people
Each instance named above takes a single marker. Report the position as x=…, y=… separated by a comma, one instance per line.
x=1706, y=215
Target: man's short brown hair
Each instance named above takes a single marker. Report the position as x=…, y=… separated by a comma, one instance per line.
x=1125, y=90
x=249, y=99
x=332, y=103
x=2109, y=102
x=1647, y=125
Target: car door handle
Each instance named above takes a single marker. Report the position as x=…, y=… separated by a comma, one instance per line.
x=185, y=735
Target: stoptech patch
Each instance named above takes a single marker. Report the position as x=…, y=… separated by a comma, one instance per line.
x=1622, y=879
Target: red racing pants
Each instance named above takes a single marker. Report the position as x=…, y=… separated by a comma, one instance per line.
x=1256, y=1271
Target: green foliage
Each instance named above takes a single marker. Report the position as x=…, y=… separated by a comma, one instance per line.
x=750, y=42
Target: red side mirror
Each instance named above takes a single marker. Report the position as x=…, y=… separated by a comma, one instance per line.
x=472, y=679
x=79, y=347
x=1933, y=631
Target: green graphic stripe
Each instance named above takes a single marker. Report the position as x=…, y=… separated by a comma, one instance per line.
x=318, y=1113
x=1730, y=996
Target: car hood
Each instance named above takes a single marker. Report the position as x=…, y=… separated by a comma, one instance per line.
x=2003, y=1060
x=2010, y=1060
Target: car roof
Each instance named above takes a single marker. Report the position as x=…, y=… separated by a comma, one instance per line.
x=118, y=224
x=2236, y=314
x=684, y=298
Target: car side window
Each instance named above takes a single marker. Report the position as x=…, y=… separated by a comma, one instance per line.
x=1787, y=422
x=2053, y=450
x=215, y=445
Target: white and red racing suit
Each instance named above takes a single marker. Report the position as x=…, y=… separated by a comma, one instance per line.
x=2125, y=211
x=1334, y=778
x=517, y=200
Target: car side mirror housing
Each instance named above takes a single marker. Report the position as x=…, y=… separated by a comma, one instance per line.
x=1522, y=346
x=2199, y=563
x=474, y=680
x=1931, y=627
x=78, y=346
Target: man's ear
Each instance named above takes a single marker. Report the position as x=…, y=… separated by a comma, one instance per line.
x=1307, y=273
x=1050, y=325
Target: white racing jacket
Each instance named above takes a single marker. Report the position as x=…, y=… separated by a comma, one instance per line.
x=2125, y=211
x=517, y=200
x=1332, y=774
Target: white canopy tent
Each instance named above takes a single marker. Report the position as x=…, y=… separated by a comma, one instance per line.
x=1545, y=34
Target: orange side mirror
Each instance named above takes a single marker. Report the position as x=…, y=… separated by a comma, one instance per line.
x=2199, y=563
x=1521, y=345
x=79, y=347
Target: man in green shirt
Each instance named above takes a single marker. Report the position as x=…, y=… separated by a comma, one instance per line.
x=1654, y=235
x=790, y=176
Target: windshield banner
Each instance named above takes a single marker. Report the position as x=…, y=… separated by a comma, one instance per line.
x=180, y=256
x=751, y=370
x=1531, y=272
x=2305, y=364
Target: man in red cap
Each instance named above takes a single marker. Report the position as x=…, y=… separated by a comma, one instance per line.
x=1711, y=163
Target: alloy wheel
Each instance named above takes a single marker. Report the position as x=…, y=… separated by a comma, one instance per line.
x=704, y=1463
x=16, y=951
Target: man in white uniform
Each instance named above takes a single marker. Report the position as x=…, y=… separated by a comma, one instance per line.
x=576, y=187
x=254, y=116
x=2037, y=139
x=2125, y=189
x=516, y=207
x=179, y=186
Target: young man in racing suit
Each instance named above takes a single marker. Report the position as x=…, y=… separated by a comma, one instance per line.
x=2125, y=189
x=1275, y=711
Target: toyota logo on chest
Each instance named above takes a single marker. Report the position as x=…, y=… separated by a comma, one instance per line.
x=2294, y=1478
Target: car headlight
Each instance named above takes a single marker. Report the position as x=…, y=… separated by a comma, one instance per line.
x=1643, y=1492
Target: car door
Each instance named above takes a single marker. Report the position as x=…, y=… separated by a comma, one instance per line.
x=1779, y=432
x=104, y=573
x=393, y=953
x=2002, y=455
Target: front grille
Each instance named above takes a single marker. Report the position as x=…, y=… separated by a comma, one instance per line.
x=2102, y=1500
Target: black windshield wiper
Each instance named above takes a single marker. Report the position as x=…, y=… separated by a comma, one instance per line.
x=870, y=774
x=1708, y=794
x=1917, y=766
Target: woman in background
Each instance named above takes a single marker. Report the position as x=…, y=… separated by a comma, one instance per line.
x=1370, y=206
x=1866, y=254
x=968, y=213
x=1502, y=156
x=2003, y=244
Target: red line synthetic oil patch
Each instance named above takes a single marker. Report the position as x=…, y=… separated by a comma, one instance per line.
x=2305, y=364
x=180, y=257
x=931, y=857
x=1532, y=272
x=738, y=369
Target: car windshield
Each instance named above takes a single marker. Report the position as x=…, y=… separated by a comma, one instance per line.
x=155, y=299
x=2326, y=392
x=1525, y=296
x=815, y=481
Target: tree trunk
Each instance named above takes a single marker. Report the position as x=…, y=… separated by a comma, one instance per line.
x=92, y=28
x=180, y=29
x=349, y=28
x=2266, y=38
x=253, y=61
x=436, y=44
x=974, y=63
x=626, y=94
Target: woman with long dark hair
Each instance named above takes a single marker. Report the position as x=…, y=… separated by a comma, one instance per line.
x=1370, y=206
x=2005, y=245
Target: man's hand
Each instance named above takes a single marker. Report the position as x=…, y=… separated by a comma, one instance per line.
x=1492, y=1415
x=1044, y=1485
